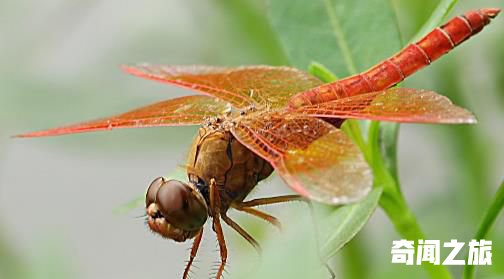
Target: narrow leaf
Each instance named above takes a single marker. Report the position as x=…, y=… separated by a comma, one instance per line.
x=489, y=219
x=388, y=142
x=340, y=226
x=322, y=72
x=438, y=15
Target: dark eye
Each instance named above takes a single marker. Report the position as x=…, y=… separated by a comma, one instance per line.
x=181, y=205
x=153, y=189
x=170, y=198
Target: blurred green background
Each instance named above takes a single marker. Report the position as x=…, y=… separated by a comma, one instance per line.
x=59, y=64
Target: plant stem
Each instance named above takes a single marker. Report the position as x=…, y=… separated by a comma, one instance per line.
x=392, y=200
x=406, y=225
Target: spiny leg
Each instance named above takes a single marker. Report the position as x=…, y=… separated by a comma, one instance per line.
x=242, y=232
x=272, y=200
x=215, y=208
x=247, y=207
x=252, y=211
x=194, y=250
x=222, y=245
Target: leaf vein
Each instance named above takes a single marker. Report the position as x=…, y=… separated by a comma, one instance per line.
x=340, y=37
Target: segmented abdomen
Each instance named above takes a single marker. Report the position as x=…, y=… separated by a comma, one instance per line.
x=410, y=59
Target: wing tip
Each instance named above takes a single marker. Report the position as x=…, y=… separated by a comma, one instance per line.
x=353, y=199
x=20, y=136
x=39, y=134
x=29, y=135
x=365, y=188
x=61, y=131
x=130, y=69
x=342, y=199
x=136, y=69
x=469, y=119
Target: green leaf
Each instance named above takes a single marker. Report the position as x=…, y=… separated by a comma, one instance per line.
x=346, y=35
x=388, y=141
x=293, y=253
x=439, y=14
x=342, y=224
x=490, y=217
x=246, y=18
x=319, y=70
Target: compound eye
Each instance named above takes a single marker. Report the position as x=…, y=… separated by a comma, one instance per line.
x=181, y=205
x=153, y=189
x=171, y=196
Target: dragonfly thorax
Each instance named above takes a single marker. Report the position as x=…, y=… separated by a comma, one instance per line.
x=217, y=154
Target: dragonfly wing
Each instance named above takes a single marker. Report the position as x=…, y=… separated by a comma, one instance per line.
x=241, y=86
x=189, y=110
x=395, y=104
x=314, y=158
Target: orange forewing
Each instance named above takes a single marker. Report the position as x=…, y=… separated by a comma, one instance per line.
x=189, y=110
x=316, y=159
x=396, y=104
x=241, y=86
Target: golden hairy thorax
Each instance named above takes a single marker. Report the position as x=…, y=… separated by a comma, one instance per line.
x=237, y=170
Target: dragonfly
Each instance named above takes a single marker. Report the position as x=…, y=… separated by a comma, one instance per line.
x=258, y=119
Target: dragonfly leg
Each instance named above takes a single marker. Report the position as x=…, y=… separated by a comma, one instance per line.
x=194, y=250
x=242, y=232
x=216, y=225
x=247, y=207
x=268, y=218
x=272, y=200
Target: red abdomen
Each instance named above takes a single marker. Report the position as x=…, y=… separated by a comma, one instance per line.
x=412, y=58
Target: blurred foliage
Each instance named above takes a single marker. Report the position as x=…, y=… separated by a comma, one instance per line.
x=11, y=265
x=497, y=67
x=45, y=260
x=252, y=28
x=470, y=173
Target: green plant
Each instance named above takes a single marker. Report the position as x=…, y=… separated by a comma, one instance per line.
x=345, y=30
x=339, y=34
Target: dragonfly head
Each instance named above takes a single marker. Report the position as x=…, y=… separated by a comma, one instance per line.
x=175, y=210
